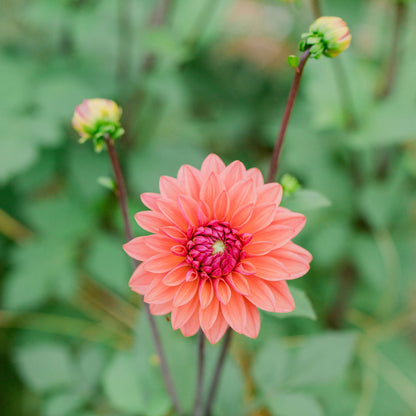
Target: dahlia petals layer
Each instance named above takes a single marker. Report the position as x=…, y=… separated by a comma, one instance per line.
x=141, y=280
x=222, y=291
x=175, y=234
x=261, y=294
x=150, y=199
x=242, y=215
x=261, y=217
x=162, y=263
x=270, y=268
x=185, y=293
x=181, y=314
x=138, y=249
x=169, y=187
x=208, y=315
x=252, y=327
x=206, y=292
x=209, y=191
x=217, y=331
x=212, y=164
x=233, y=173
x=190, y=180
x=191, y=327
x=294, y=263
x=172, y=212
x=176, y=276
x=151, y=221
x=270, y=193
x=278, y=234
x=161, y=309
x=239, y=283
x=159, y=293
x=283, y=298
x=259, y=248
x=189, y=209
x=158, y=242
x=256, y=175
x=234, y=312
x=221, y=206
x=300, y=251
x=292, y=219
x=242, y=193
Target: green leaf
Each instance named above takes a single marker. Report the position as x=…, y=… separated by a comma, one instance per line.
x=271, y=367
x=108, y=263
x=45, y=366
x=63, y=404
x=322, y=358
x=294, y=404
x=133, y=385
x=305, y=200
x=303, y=306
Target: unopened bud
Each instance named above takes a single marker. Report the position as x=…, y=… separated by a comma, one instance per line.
x=289, y=184
x=327, y=36
x=96, y=119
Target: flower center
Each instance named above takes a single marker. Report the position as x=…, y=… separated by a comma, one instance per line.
x=215, y=249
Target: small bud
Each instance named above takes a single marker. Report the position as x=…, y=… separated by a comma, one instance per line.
x=328, y=36
x=107, y=182
x=293, y=61
x=96, y=118
x=289, y=184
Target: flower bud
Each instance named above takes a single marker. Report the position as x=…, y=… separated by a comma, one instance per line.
x=96, y=119
x=327, y=35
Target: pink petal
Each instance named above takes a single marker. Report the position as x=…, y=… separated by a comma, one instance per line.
x=283, y=297
x=221, y=206
x=269, y=268
x=208, y=315
x=238, y=282
x=255, y=174
x=185, y=293
x=242, y=193
x=212, y=164
x=222, y=290
x=161, y=309
x=141, y=280
x=191, y=327
x=217, y=331
x=189, y=209
x=242, y=215
x=181, y=314
x=279, y=235
x=170, y=210
x=176, y=276
x=162, y=263
x=252, y=326
x=293, y=263
x=292, y=219
x=151, y=221
x=175, y=234
x=190, y=180
x=261, y=294
x=235, y=312
x=138, y=249
x=158, y=242
x=150, y=199
x=259, y=248
x=159, y=293
x=270, y=193
x=206, y=293
x=300, y=251
x=233, y=173
x=209, y=190
x=169, y=187
x=261, y=217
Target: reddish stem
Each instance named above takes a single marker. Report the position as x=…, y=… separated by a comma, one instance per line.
x=274, y=163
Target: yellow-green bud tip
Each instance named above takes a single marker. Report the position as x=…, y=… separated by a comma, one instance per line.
x=328, y=35
x=97, y=118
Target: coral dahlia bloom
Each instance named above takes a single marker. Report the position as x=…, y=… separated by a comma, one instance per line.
x=220, y=249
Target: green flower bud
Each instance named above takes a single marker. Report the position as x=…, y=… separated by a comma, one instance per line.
x=289, y=184
x=97, y=118
x=327, y=36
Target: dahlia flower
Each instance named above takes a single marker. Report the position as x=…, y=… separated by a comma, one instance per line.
x=220, y=248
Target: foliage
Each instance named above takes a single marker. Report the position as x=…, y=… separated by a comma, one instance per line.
x=206, y=78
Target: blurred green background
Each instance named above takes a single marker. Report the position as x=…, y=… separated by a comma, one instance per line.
x=195, y=77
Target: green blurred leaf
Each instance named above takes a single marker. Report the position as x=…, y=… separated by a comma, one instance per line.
x=305, y=200
x=46, y=366
x=322, y=358
x=294, y=404
x=63, y=404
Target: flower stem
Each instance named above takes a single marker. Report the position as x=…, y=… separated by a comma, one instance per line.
x=316, y=8
x=286, y=116
x=122, y=200
x=217, y=373
x=200, y=376
x=400, y=14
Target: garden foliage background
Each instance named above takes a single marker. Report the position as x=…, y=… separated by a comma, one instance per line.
x=195, y=77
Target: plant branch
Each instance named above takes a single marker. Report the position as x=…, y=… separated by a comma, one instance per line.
x=200, y=376
x=274, y=163
x=217, y=373
x=122, y=199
